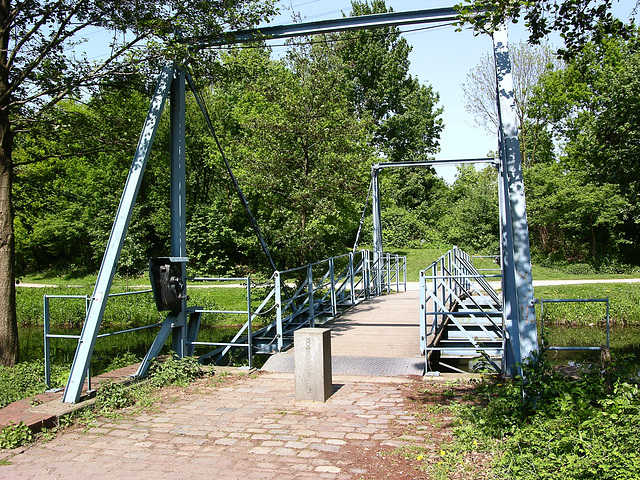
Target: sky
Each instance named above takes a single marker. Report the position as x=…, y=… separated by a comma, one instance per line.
x=440, y=57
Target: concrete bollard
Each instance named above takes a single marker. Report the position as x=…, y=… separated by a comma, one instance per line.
x=312, y=360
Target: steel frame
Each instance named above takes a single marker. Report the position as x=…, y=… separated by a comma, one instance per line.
x=515, y=245
x=451, y=303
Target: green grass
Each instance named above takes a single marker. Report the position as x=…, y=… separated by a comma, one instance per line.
x=419, y=259
x=624, y=303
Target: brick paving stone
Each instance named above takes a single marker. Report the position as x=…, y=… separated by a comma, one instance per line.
x=251, y=430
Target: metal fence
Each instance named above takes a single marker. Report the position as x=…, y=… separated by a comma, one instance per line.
x=542, y=301
x=48, y=335
x=460, y=313
x=294, y=298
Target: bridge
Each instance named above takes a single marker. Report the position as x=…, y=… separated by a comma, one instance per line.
x=380, y=337
x=504, y=328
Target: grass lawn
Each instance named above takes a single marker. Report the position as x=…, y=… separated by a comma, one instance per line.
x=419, y=259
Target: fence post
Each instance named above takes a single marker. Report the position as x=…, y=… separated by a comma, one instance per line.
x=422, y=312
x=388, y=271
x=607, y=323
x=365, y=273
x=47, y=352
x=332, y=277
x=249, y=340
x=278, y=288
x=404, y=272
x=312, y=312
x=351, y=274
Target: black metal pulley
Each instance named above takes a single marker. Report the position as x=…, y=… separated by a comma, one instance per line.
x=166, y=274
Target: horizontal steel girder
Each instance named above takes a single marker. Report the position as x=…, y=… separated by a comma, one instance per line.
x=435, y=163
x=380, y=20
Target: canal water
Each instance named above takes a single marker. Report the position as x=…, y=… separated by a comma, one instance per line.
x=624, y=341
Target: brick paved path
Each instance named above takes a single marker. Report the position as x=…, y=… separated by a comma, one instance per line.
x=250, y=429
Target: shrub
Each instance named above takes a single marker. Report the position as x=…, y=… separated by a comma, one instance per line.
x=15, y=435
x=553, y=426
x=27, y=379
x=175, y=371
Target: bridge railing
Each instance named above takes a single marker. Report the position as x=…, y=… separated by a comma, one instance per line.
x=317, y=292
x=48, y=336
x=444, y=286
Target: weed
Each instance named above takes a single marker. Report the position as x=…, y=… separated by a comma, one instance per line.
x=15, y=435
x=175, y=371
x=546, y=425
x=113, y=396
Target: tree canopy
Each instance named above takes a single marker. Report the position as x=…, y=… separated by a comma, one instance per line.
x=41, y=64
x=578, y=22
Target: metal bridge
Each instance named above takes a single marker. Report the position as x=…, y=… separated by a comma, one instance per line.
x=293, y=302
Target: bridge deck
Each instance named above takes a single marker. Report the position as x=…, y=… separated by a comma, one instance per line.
x=380, y=336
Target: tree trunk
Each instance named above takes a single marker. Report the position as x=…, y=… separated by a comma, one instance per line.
x=8, y=320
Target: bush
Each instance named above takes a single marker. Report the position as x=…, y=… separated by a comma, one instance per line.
x=552, y=426
x=175, y=371
x=27, y=379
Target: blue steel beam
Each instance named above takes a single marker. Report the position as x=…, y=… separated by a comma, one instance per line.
x=435, y=163
x=377, y=231
x=380, y=20
x=101, y=290
x=518, y=230
x=178, y=202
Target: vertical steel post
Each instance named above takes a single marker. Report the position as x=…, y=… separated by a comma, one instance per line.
x=608, y=323
x=332, y=278
x=249, y=332
x=366, y=273
x=377, y=231
x=352, y=281
x=387, y=258
x=312, y=307
x=509, y=296
x=528, y=334
x=404, y=272
x=422, y=320
x=178, y=203
x=107, y=271
x=278, y=301
x=47, y=343
x=397, y=273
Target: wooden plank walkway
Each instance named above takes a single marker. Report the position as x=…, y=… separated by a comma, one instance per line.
x=380, y=336
x=385, y=326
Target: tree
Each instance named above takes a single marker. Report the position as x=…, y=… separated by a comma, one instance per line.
x=68, y=180
x=406, y=123
x=529, y=64
x=593, y=106
x=572, y=217
x=471, y=221
x=300, y=153
x=577, y=21
x=40, y=64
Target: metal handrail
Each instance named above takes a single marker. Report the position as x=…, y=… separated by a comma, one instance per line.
x=48, y=335
x=542, y=301
x=446, y=283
